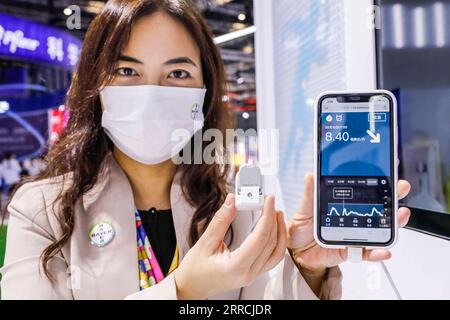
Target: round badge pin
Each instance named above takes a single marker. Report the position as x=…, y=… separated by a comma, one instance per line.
x=101, y=234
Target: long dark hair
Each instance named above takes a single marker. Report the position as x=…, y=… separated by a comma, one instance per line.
x=83, y=145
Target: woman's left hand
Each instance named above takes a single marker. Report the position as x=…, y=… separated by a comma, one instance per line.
x=313, y=259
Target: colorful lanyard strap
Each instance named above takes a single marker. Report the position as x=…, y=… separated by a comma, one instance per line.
x=150, y=272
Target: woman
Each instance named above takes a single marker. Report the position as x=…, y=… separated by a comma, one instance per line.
x=111, y=183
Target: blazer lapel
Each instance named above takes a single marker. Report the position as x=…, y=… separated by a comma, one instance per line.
x=111, y=272
x=182, y=213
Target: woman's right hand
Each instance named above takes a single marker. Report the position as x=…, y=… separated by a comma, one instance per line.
x=210, y=268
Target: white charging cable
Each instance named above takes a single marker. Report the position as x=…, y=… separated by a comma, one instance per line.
x=355, y=254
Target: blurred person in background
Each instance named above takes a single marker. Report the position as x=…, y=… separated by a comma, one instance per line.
x=10, y=170
x=24, y=173
x=33, y=165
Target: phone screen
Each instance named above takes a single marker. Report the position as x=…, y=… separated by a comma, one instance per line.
x=356, y=170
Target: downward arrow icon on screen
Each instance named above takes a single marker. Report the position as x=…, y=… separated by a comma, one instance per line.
x=376, y=138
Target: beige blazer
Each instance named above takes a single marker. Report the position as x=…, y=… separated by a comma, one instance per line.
x=83, y=271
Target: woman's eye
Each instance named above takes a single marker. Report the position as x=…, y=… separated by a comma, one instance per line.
x=126, y=72
x=179, y=74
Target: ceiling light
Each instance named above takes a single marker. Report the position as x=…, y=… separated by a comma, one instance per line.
x=439, y=13
x=4, y=106
x=238, y=26
x=67, y=11
x=240, y=80
x=235, y=35
x=94, y=7
x=248, y=49
x=399, y=32
x=420, y=31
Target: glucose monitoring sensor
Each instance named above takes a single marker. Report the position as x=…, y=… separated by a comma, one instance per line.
x=249, y=188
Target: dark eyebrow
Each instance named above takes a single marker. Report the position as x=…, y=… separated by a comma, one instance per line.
x=180, y=60
x=129, y=59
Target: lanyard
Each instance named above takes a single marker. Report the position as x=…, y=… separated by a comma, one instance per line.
x=150, y=272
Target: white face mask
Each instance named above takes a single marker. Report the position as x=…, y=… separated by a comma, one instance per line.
x=151, y=124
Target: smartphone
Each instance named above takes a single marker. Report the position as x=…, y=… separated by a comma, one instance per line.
x=356, y=176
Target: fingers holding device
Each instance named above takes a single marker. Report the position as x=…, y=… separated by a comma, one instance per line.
x=210, y=267
x=355, y=185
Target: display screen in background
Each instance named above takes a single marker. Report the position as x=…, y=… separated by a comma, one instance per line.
x=417, y=70
x=355, y=166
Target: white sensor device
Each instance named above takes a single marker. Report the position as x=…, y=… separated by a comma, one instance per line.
x=249, y=188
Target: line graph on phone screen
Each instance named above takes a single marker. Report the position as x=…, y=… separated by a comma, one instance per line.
x=355, y=210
